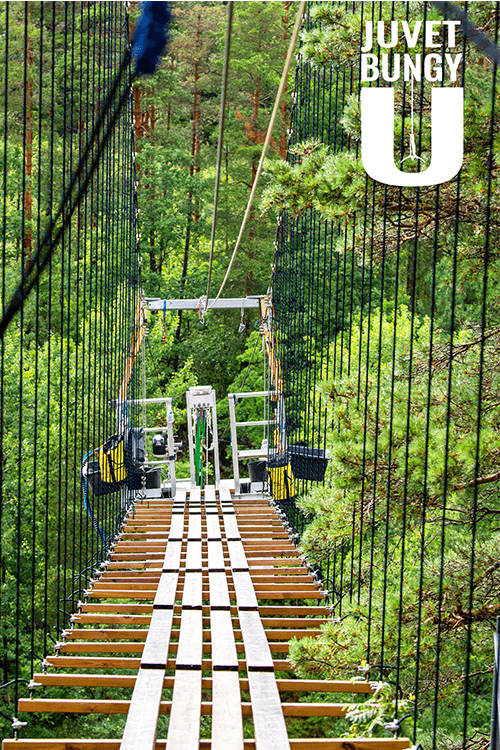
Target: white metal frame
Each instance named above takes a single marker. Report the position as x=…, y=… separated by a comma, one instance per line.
x=155, y=303
x=253, y=453
x=202, y=395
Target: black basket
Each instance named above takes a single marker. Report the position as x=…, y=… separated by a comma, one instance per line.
x=153, y=479
x=308, y=463
x=96, y=484
x=257, y=471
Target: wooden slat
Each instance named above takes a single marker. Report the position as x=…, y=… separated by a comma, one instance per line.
x=155, y=654
x=193, y=556
x=192, y=594
x=194, y=526
x=219, y=592
x=172, y=558
x=227, y=722
x=245, y=593
x=140, y=728
x=118, y=662
x=209, y=494
x=165, y=594
x=257, y=652
x=231, y=527
x=213, y=528
x=190, y=649
x=269, y=723
x=184, y=724
x=322, y=743
x=128, y=681
x=237, y=556
x=91, y=706
x=224, y=655
x=176, y=528
x=215, y=556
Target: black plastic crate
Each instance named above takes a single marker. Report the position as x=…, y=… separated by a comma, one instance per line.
x=96, y=484
x=153, y=479
x=308, y=463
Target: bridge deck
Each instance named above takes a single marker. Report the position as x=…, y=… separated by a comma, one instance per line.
x=193, y=616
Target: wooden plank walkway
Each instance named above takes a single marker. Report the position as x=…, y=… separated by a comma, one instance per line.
x=192, y=617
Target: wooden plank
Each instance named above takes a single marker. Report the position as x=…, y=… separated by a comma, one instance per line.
x=102, y=647
x=257, y=652
x=111, y=634
x=224, y=655
x=225, y=497
x=269, y=724
x=237, y=556
x=140, y=728
x=315, y=709
x=194, y=526
x=73, y=706
x=128, y=681
x=322, y=743
x=213, y=528
x=193, y=556
x=190, y=649
x=231, y=527
x=172, y=559
x=176, y=528
x=165, y=594
x=245, y=593
x=209, y=494
x=194, y=495
x=215, y=556
x=219, y=592
x=155, y=654
x=184, y=724
x=227, y=722
x=180, y=494
x=192, y=594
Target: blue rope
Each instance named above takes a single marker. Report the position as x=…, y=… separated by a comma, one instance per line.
x=88, y=508
x=150, y=36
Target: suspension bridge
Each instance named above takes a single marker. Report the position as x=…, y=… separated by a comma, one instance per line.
x=344, y=594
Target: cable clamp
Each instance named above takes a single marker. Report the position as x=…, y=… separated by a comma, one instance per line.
x=16, y=726
x=202, y=308
x=364, y=668
x=395, y=725
x=45, y=665
x=32, y=685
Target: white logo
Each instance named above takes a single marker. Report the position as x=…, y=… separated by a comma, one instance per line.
x=377, y=137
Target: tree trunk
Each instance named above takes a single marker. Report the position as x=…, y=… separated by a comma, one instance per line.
x=195, y=143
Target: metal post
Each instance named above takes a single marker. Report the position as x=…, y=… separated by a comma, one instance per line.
x=189, y=405
x=234, y=442
x=216, y=442
x=170, y=445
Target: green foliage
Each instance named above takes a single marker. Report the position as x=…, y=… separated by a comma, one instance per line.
x=397, y=472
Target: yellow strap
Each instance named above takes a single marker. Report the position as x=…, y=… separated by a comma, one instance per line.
x=112, y=464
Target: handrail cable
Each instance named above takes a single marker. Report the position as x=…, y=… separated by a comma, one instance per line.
x=281, y=89
x=225, y=73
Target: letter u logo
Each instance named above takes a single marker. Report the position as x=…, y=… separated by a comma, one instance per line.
x=377, y=137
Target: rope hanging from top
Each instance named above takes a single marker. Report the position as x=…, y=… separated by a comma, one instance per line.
x=279, y=95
